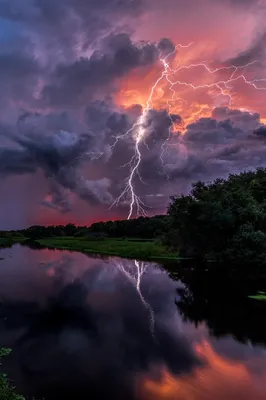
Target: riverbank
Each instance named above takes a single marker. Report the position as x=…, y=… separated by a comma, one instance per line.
x=9, y=241
x=149, y=250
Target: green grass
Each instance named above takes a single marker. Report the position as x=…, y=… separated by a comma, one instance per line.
x=9, y=241
x=113, y=247
x=259, y=296
x=7, y=392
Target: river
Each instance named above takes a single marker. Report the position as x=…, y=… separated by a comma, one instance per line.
x=85, y=327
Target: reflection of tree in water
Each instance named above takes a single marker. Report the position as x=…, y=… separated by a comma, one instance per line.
x=222, y=302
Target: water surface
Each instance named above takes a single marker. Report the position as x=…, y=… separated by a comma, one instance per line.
x=107, y=328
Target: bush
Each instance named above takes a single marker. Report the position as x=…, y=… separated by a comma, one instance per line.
x=6, y=391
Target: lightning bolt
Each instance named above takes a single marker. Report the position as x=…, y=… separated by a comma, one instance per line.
x=134, y=274
x=138, y=130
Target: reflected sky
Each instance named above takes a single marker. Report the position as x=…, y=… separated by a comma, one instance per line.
x=80, y=327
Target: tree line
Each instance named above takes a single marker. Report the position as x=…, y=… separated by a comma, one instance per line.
x=141, y=228
x=224, y=220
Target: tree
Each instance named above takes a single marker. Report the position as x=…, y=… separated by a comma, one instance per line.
x=223, y=220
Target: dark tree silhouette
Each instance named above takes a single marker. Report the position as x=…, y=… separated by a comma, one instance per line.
x=223, y=221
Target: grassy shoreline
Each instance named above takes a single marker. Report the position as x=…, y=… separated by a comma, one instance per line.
x=112, y=247
x=7, y=242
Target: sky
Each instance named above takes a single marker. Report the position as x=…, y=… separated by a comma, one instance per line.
x=110, y=107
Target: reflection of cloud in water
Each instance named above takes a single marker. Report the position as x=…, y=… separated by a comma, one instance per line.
x=79, y=330
x=219, y=378
x=92, y=335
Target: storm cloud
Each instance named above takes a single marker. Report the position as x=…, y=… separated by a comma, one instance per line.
x=211, y=148
x=76, y=75
x=87, y=77
x=59, y=158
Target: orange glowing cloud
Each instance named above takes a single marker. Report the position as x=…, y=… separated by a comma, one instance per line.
x=198, y=86
x=219, y=378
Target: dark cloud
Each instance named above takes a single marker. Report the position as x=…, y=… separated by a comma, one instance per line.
x=166, y=47
x=208, y=130
x=48, y=123
x=237, y=117
x=59, y=157
x=65, y=26
x=211, y=148
x=255, y=52
x=158, y=132
x=16, y=66
x=48, y=47
x=65, y=158
x=260, y=132
x=87, y=77
x=241, y=3
x=158, y=123
x=106, y=121
x=19, y=74
x=58, y=200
